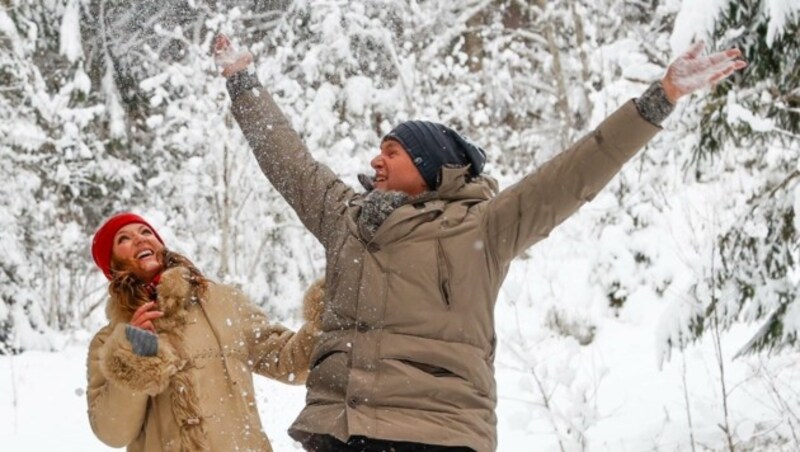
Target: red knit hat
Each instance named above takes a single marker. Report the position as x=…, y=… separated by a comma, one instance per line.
x=103, y=241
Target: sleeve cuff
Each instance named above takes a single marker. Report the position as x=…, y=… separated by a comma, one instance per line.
x=241, y=82
x=125, y=368
x=143, y=342
x=653, y=104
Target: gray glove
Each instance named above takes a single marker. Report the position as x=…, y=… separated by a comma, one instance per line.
x=143, y=342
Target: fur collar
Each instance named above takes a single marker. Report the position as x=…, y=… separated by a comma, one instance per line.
x=174, y=296
x=376, y=208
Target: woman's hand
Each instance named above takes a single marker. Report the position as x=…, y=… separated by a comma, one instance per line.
x=693, y=71
x=144, y=316
x=229, y=59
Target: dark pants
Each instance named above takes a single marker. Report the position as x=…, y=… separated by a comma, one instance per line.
x=327, y=443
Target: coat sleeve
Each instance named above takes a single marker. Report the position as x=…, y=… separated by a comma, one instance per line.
x=315, y=193
x=274, y=350
x=526, y=212
x=116, y=413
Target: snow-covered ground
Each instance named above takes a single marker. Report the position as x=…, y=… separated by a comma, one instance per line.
x=614, y=393
x=611, y=395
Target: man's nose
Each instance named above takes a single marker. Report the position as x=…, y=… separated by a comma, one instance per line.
x=376, y=162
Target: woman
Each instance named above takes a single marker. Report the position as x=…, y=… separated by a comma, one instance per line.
x=173, y=368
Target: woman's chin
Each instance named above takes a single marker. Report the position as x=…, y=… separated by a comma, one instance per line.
x=148, y=271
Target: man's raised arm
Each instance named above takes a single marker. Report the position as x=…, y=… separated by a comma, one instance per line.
x=526, y=212
x=311, y=188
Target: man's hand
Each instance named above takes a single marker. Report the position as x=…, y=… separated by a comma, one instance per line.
x=229, y=59
x=693, y=71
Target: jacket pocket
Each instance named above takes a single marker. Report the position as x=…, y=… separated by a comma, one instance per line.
x=429, y=369
x=329, y=344
x=440, y=359
x=444, y=274
x=319, y=359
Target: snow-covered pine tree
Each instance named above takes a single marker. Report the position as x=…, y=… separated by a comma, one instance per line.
x=756, y=278
x=75, y=147
x=57, y=171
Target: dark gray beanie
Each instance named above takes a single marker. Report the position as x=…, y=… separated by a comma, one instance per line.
x=432, y=145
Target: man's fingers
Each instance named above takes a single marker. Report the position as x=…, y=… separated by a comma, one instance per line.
x=242, y=61
x=221, y=42
x=708, y=72
x=719, y=76
x=725, y=69
x=736, y=65
x=733, y=53
x=688, y=74
x=228, y=58
x=721, y=57
x=148, y=326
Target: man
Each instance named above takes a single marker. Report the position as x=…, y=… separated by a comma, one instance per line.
x=414, y=265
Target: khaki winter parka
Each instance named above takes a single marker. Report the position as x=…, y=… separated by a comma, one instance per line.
x=197, y=392
x=408, y=338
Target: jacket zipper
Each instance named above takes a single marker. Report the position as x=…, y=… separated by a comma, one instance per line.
x=444, y=275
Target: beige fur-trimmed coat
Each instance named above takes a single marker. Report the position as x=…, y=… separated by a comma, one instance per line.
x=197, y=392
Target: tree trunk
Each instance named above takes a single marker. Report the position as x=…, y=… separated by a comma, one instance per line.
x=512, y=16
x=580, y=37
x=473, y=43
x=225, y=220
x=562, y=104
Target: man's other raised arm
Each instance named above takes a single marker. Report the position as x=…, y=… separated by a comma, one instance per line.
x=528, y=211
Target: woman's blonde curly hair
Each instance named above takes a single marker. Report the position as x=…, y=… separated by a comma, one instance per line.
x=130, y=292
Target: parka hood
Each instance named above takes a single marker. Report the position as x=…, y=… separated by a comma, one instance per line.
x=454, y=185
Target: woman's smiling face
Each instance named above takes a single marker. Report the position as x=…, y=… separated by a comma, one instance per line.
x=136, y=247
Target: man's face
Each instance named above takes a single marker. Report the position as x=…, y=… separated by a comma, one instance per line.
x=394, y=170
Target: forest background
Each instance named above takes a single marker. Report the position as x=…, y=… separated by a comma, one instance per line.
x=663, y=316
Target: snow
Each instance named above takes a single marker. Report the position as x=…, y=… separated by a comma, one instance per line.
x=70, y=32
x=739, y=114
x=115, y=110
x=7, y=28
x=359, y=94
x=573, y=372
x=610, y=390
x=779, y=12
x=48, y=389
x=71, y=234
x=695, y=21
